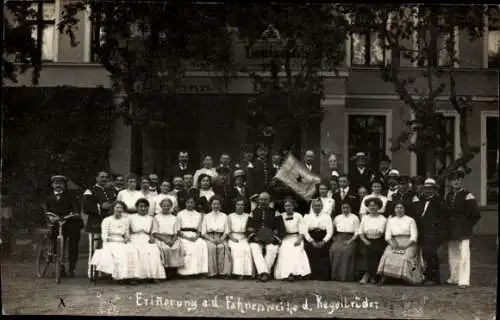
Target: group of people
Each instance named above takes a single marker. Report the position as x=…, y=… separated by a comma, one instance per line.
x=237, y=221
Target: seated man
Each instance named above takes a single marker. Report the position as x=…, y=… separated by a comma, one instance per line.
x=61, y=203
x=261, y=218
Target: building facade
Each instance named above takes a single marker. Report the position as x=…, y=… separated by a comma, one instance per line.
x=362, y=112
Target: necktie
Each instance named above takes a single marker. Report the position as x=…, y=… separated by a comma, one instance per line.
x=342, y=193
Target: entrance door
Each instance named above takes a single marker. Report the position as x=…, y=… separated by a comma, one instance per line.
x=492, y=160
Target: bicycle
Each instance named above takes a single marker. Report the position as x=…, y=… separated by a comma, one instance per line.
x=47, y=253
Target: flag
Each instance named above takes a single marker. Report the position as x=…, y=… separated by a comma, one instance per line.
x=296, y=176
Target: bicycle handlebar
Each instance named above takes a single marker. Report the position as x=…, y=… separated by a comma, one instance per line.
x=51, y=214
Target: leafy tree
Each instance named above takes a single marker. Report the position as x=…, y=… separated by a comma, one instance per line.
x=18, y=41
x=301, y=40
x=395, y=25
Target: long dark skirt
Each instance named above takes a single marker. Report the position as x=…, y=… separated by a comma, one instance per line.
x=373, y=253
x=318, y=257
x=343, y=258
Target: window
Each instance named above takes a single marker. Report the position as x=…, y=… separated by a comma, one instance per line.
x=443, y=57
x=493, y=44
x=96, y=37
x=492, y=160
x=367, y=134
x=366, y=49
x=445, y=158
x=44, y=29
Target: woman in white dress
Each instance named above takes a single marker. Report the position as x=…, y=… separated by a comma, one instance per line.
x=371, y=232
x=215, y=229
x=343, y=249
x=207, y=169
x=142, y=226
x=155, y=207
x=401, y=259
x=117, y=257
x=326, y=197
x=130, y=195
x=196, y=258
x=376, y=193
x=241, y=255
x=166, y=234
x=292, y=262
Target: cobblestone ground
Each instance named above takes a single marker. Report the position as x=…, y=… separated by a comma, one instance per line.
x=23, y=293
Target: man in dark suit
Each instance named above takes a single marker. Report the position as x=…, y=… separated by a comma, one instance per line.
x=462, y=215
x=240, y=190
x=97, y=202
x=361, y=175
x=182, y=167
x=308, y=162
x=384, y=168
x=62, y=203
x=260, y=176
x=345, y=192
x=399, y=190
x=431, y=224
x=224, y=190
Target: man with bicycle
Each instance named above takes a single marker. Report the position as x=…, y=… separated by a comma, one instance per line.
x=97, y=202
x=61, y=203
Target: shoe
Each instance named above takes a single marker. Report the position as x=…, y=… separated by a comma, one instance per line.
x=290, y=278
x=430, y=283
x=382, y=281
x=449, y=282
x=463, y=286
x=373, y=281
x=241, y=278
x=264, y=277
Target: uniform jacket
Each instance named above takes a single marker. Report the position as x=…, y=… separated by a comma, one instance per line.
x=93, y=200
x=260, y=176
x=267, y=217
x=462, y=214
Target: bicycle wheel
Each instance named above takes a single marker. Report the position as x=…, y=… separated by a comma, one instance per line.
x=43, y=257
x=59, y=259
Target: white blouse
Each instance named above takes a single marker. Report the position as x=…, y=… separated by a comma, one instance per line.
x=215, y=222
x=129, y=197
x=317, y=221
x=210, y=172
x=372, y=227
x=148, y=194
x=401, y=226
x=238, y=222
x=207, y=193
x=364, y=209
x=347, y=224
x=294, y=225
x=118, y=229
x=154, y=202
x=189, y=219
x=328, y=205
x=141, y=224
x=166, y=224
